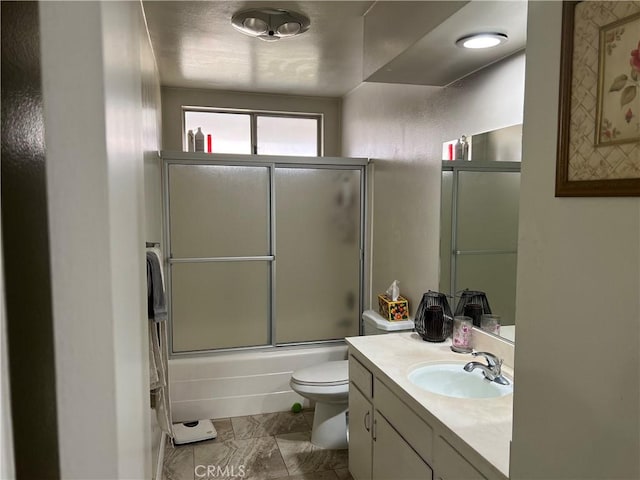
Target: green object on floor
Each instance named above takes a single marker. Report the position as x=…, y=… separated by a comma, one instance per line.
x=296, y=408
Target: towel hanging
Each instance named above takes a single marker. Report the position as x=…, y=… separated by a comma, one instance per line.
x=156, y=304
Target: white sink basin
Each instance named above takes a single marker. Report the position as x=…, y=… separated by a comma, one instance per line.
x=449, y=379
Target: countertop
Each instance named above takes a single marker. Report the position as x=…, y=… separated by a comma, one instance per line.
x=484, y=425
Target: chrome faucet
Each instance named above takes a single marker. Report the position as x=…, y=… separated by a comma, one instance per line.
x=492, y=370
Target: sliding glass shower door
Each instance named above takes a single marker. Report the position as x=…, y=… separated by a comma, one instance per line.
x=263, y=253
x=221, y=255
x=318, y=254
x=479, y=232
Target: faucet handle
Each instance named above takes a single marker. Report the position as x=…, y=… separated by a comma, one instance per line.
x=492, y=360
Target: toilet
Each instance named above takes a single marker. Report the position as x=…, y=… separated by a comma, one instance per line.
x=374, y=324
x=328, y=385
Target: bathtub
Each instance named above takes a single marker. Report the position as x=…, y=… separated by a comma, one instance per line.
x=241, y=383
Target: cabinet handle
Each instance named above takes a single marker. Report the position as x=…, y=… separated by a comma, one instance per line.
x=374, y=435
x=367, y=424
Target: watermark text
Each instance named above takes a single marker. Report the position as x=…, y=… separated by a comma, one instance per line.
x=218, y=471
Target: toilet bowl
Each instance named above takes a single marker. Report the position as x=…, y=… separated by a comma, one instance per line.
x=328, y=385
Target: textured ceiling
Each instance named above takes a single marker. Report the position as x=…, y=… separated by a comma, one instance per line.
x=435, y=59
x=196, y=47
x=401, y=42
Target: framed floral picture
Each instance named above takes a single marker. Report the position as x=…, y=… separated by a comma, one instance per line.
x=618, y=108
x=599, y=105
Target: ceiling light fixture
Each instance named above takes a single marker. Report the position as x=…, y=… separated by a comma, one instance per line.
x=482, y=40
x=270, y=24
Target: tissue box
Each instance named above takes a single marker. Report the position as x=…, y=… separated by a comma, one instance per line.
x=393, y=311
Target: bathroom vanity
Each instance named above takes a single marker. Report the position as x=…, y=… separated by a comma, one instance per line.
x=398, y=430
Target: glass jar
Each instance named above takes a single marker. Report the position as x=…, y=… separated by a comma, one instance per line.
x=461, y=338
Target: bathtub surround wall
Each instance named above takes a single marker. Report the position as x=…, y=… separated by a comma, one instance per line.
x=575, y=415
x=174, y=98
x=241, y=383
x=402, y=128
x=93, y=73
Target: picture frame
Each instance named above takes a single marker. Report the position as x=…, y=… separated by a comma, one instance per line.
x=618, y=107
x=587, y=166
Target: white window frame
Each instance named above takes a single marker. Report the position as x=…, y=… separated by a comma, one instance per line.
x=253, y=116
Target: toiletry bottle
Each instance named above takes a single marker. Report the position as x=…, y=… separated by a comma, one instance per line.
x=465, y=148
x=209, y=143
x=191, y=147
x=199, y=140
x=459, y=150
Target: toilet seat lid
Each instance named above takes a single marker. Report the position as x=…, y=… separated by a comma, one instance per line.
x=327, y=373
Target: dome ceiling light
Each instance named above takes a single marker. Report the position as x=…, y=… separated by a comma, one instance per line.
x=270, y=24
x=482, y=40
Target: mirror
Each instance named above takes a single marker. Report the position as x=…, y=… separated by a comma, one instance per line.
x=479, y=222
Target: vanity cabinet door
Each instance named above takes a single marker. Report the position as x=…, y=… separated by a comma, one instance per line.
x=393, y=458
x=450, y=465
x=360, y=425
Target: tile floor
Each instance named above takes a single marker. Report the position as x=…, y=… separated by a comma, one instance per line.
x=269, y=446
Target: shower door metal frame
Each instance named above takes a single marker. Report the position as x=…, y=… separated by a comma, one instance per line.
x=271, y=162
x=457, y=166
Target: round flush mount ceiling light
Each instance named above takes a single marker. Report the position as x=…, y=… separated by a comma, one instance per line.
x=482, y=40
x=270, y=24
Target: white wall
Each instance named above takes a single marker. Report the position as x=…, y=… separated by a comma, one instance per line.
x=93, y=115
x=402, y=128
x=174, y=98
x=7, y=466
x=151, y=138
x=577, y=398
x=151, y=145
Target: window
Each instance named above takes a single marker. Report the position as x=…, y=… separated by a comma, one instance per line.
x=229, y=131
x=287, y=136
x=262, y=133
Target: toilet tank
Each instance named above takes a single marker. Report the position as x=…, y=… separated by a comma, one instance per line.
x=375, y=324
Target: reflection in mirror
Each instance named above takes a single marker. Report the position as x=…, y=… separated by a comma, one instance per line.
x=479, y=223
